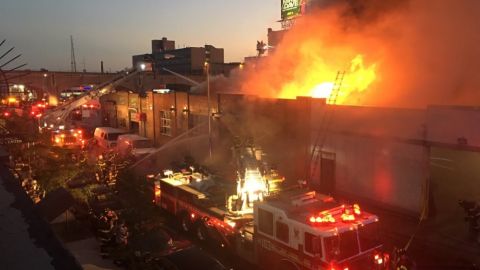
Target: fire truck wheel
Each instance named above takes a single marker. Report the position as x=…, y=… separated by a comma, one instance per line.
x=185, y=223
x=202, y=233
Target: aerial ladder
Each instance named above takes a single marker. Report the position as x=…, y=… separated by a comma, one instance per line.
x=316, y=153
x=58, y=116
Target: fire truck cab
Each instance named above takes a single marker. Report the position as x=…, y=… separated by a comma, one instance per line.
x=305, y=230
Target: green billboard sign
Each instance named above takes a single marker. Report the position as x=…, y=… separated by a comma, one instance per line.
x=292, y=8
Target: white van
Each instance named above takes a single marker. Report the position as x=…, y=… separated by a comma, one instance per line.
x=106, y=137
x=137, y=145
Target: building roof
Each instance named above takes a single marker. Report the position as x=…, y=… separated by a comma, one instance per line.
x=55, y=203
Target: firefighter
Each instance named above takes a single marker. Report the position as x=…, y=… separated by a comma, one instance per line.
x=112, y=217
x=401, y=261
x=100, y=169
x=121, y=234
x=472, y=210
x=82, y=161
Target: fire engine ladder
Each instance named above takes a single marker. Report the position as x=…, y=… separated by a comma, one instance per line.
x=59, y=114
x=316, y=153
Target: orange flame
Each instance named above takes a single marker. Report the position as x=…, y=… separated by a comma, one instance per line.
x=308, y=59
x=318, y=82
x=396, y=54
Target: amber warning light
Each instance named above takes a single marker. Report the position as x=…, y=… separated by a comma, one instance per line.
x=348, y=214
x=323, y=218
x=351, y=212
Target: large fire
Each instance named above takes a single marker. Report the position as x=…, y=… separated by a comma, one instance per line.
x=307, y=63
x=394, y=53
x=318, y=82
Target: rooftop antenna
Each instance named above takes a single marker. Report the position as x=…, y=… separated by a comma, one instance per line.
x=73, y=63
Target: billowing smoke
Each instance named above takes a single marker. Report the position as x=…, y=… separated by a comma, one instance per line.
x=416, y=53
x=364, y=11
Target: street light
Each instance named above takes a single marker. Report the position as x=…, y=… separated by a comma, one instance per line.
x=207, y=69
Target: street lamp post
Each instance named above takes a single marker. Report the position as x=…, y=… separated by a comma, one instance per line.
x=207, y=67
x=45, y=75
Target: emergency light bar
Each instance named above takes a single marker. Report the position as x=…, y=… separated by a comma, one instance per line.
x=348, y=213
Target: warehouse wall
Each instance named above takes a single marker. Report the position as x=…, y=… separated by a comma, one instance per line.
x=454, y=126
x=454, y=134
x=380, y=155
x=380, y=171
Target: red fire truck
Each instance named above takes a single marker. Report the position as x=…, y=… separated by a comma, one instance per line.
x=72, y=138
x=306, y=230
x=289, y=229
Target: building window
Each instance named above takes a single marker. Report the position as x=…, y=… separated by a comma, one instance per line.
x=165, y=123
x=265, y=223
x=312, y=244
x=282, y=232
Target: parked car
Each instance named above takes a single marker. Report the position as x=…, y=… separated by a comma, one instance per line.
x=135, y=145
x=106, y=137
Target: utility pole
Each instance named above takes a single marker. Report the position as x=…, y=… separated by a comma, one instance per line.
x=84, y=68
x=73, y=63
x=209, y=114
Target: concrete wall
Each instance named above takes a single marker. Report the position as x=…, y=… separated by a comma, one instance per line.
x=380, y=171
x=455, y=175
x=454, y=134
x=380, y=153
x=451, y=126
